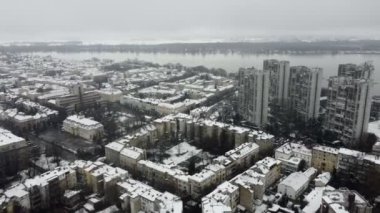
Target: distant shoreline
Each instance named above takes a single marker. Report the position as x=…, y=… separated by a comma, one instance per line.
x=243, y=48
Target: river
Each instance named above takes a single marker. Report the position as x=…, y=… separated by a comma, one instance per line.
x=232, y=62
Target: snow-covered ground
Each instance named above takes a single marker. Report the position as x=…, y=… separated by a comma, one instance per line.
x=180, y=153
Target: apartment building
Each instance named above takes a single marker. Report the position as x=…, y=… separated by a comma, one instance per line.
x=136, y=196
x=305, y=86
x=356, y=166
x=100, y=178
x=254, y=95
x=349, y=101
x=225, y=198
x=242, y=191
x=40, y=192
x=324, y=158
x=279, y=73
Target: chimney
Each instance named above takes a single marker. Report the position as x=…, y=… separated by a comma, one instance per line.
x=351, y=201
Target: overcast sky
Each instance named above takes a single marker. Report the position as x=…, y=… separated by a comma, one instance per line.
x=149, y=20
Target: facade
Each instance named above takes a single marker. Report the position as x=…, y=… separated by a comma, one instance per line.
x=356, y=166
x=83, y=127
x=279, y=72
x=305, y=86
x=129, y=157
x=324, y=158
x=14, y=153
x=254, y=95
x=349, y=102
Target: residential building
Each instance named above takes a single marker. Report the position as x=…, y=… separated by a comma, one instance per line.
x=349, y=102
x=344, y=201
x=100, y=178
x=14, y=153
x=83, y=127
x=253, y=95
x=47, y=189
x=355, y=166
x=279, y=73
x=136, y=196
x=112, y=151
x=27, y=115
x=325, y=158
x=129, y=156
x=304, y=91
x=241, y=192
x=225, y=198
x=71, y=200
x=314, y=199
x=291, y=155
x=166, y=177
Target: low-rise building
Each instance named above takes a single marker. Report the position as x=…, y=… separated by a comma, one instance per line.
x=14, y=153
x=253, y=182
x=242, y=191
x=26, y=115
x=324, y=158
x=83, y=127
x=47, y=189
x=225, y=198
x=290, y=153
x=314, y=199
x=356, y=166
x=100, y=178
x=296, y=183
x=344, y=201
x=137, y=197
x=129, y=156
